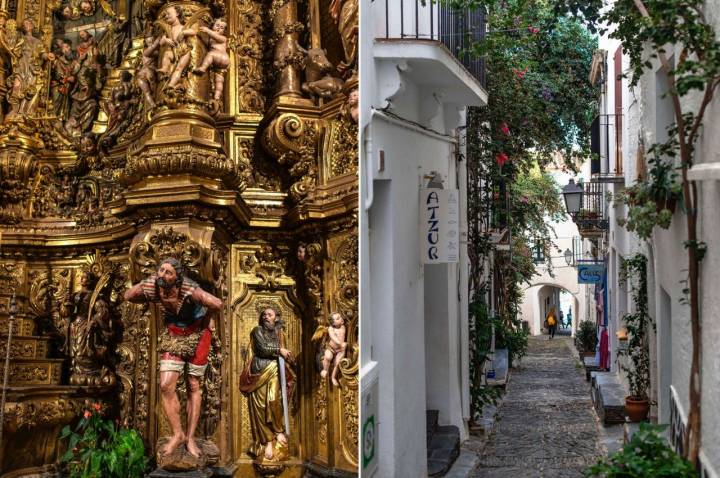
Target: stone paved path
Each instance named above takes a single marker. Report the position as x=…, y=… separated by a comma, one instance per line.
x=546, y=427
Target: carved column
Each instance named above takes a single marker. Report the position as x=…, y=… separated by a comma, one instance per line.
x=288, y=57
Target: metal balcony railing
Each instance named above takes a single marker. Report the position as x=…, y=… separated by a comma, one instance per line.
x=458, y=30
x=592, y=219
x=606, y=144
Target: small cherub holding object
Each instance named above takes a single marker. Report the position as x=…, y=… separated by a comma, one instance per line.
x=216, y=56
x=335, y=347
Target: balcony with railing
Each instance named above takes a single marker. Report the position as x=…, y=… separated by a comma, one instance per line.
x=457, y=30
x=592, y=219
x=606, y=165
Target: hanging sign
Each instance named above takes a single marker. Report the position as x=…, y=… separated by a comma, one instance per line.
x=591, y=273
x=439, y=226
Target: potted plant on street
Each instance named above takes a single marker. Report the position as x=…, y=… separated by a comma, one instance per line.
x=586, y=338
x=637, y=403
x=646, y=455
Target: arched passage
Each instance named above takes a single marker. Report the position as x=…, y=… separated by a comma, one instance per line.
x=541, y=296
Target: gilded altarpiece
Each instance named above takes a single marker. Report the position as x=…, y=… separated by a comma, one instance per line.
x=222, y=134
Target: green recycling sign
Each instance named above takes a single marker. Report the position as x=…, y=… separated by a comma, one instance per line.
x=368, y=437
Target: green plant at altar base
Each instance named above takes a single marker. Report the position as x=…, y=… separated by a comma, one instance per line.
x=98, y=448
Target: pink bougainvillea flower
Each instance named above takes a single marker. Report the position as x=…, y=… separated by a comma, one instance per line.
x=524, y=199
x=505, y=129
x=97, y=407
x=501, y=159
x=534, y=30
x=520, y=74
x=87, y=414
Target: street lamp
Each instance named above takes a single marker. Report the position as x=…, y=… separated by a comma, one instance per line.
x=568, y=257
x=573, y=194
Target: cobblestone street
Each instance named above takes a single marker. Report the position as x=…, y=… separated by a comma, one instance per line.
x=546, y=425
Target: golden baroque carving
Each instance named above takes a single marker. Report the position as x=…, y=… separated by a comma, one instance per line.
x=248, y=46
x=10, y=276
x=44, y=412
x=293, y=141
x=312, y=259
x=184, y=160
x=349, y=368
x=344, y=147
x=162, y=243
x=321, y=408
x=346, y=294
x=267, y=264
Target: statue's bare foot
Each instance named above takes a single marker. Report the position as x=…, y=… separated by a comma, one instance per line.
x=335, y=382
x=323, y=373
x=281, y=438
x=192, y=447
x=173, y=443
x=269, y=451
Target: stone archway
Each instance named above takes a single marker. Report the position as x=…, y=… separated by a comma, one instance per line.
x=536, y=303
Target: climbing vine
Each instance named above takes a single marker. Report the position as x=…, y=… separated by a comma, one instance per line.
x=540, y=108
x=633, y=270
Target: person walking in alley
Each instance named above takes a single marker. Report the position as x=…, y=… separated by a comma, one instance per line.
x=551, y=321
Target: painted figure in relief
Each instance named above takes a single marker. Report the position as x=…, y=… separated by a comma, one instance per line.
x=90, y=334
x=178, y=49
x=84, y=95
x=335, y=347
x=27, y=56
x=345, y=13
x=216, y=56
x=184, y=343
x=260, y=382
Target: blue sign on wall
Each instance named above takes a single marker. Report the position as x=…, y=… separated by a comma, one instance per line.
x=591, y=273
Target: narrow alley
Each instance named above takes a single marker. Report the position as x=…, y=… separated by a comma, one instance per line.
x=546, y=425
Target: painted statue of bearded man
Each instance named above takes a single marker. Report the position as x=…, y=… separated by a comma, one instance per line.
x=185, y=342
x=260, y=382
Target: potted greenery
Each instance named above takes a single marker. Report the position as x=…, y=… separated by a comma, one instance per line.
x=637, y=403
x=586, y=338
x=646, y=455
x=652, y=201
x=99, y=448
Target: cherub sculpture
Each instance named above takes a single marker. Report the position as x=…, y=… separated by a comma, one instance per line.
x=216, y=56
x=146, y=74
x=334, y=345
x=178, y=49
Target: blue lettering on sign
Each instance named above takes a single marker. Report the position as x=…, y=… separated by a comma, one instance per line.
x=591, y=274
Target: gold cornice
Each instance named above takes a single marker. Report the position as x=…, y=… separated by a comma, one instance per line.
x=38, y=238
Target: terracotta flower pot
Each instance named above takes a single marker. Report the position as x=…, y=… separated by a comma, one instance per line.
x=588, y=354
x=635, y=409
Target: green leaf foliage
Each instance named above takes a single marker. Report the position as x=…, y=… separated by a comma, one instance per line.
x=99, y=449
x=646, y=455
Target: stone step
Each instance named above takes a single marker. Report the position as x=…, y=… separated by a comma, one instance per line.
x=431, y=424
x=590, y=366
x=608, y=396
x=24, y=347
x=443, y=450
x=33, y=372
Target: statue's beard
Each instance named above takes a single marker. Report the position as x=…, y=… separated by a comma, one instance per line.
x=269, y=326
x=165, y=285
